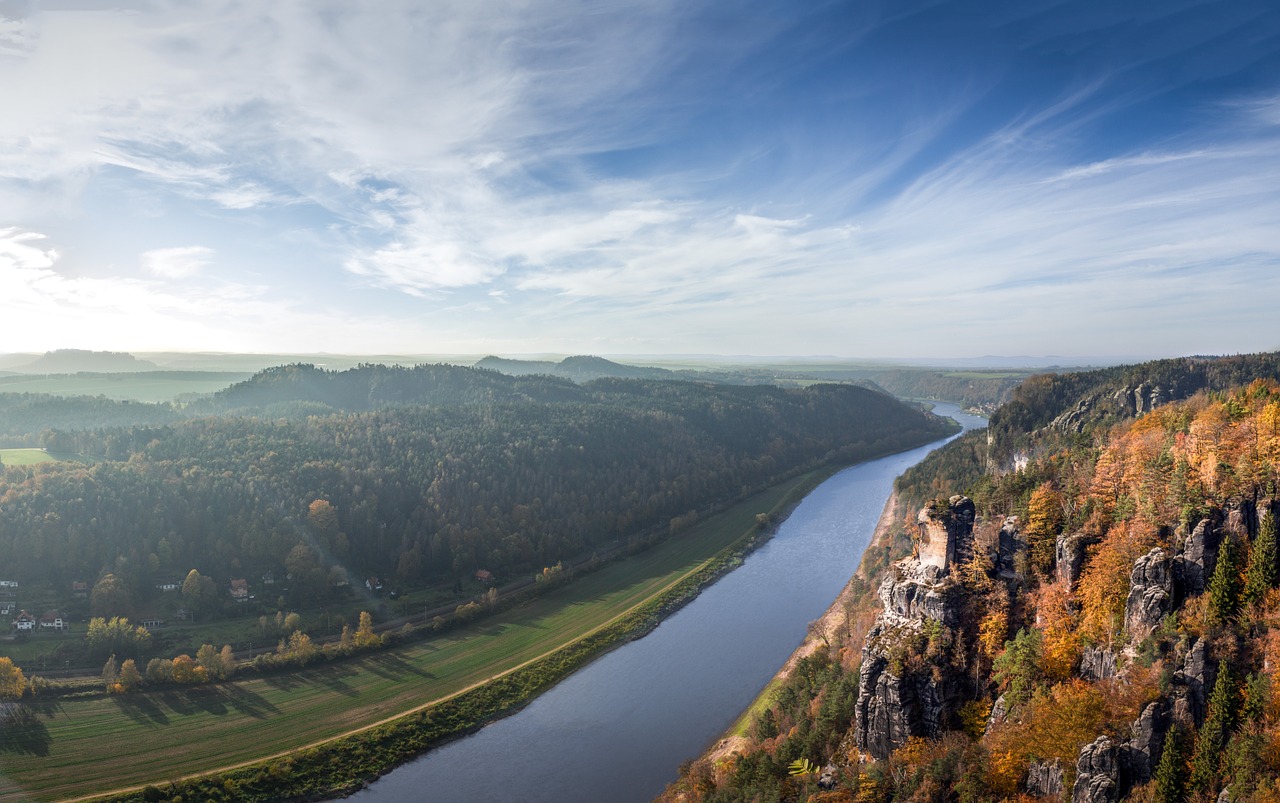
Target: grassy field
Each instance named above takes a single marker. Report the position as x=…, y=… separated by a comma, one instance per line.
x=84, y=746
x=24, y=457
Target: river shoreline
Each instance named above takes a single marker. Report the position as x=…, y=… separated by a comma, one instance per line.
x=835, y=618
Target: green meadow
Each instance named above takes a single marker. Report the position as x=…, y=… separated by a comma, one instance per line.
x=97, y=743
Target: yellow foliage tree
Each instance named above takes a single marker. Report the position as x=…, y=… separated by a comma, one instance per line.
x=12, y=681
x=1044, y=522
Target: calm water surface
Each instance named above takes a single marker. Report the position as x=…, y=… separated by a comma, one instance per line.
x=619, y=728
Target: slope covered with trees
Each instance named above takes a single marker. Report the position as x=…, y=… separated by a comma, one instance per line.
x=421, y=475
x=1112, y=636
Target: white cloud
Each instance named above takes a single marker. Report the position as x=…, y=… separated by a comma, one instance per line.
x=177, y=263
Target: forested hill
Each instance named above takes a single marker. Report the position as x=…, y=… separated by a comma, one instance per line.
x=516, y=475
x=1093, y=621
x=580, y=369
x=306, y=389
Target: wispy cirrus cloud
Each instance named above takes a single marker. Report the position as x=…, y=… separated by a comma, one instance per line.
x=772, y=180
x=177, y=263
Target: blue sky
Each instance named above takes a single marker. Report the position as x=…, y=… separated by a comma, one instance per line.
x=861, y=179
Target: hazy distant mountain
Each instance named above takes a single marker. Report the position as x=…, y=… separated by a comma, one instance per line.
x=71, y=361
x=579, y=369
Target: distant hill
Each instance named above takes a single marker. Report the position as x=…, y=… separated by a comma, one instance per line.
x=579, y=369
x=300, y=390
x=72, y=361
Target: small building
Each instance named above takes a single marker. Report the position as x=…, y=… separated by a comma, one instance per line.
x=373, y=584
x=484, y=576
x=24, y=623
x=152, y=624
x=7, y=607
x=52, y=620
x=79, y=589
x=268, y=578
x=8, y=583
x=168, y=585
x=240, y=590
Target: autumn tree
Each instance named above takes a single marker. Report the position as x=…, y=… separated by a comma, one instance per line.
x=129, y=678
x=110, y=597
x=1044, y=523
x=199, y=592
x=227, y=657
x=209, y=660
x=110, y=672
x=12, y=681
x=365, y=638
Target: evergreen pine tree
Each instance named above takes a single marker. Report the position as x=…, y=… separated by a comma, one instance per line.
x=1260, y=577
x=1218, y=723
x=1224, y=588
x=1171, y=773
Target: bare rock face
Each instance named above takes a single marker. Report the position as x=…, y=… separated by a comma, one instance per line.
x=1097, y=773
x=894, y=702
x=946, y=534
x=1009, y=546
x=1069, y=555
x=892, y=708
x=1140, y=755
x=1192, y=683
x=1045, y=779
x=1150, y=594
x=1098, y=663
x=1200, y=555
x=915, y=591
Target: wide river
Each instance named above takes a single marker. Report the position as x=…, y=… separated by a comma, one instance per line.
x=619, y=728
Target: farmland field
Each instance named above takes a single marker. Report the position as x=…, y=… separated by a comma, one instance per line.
x=24, y=457
x=79, y=746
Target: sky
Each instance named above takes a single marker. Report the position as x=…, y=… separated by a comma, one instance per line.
x=857, y=179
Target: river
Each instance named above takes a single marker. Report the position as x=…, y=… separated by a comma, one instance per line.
x=618, y=729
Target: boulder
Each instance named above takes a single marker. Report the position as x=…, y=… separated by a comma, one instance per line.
x=1150, y=594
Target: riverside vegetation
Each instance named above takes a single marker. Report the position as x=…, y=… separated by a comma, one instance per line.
x=423, y=476
x=1097, y=619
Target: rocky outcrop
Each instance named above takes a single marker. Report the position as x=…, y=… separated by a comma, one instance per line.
x=1097, y=773
x=1045, y=779
x=1150, y=594
x=1140, y=755
x=1098, y=663
x=915, y=591
x=895, y=700
x=1009, y=545
x=946, y=534
x=893, y=707
x=1200, y=555
x=1192, y=682
x=1069, y=554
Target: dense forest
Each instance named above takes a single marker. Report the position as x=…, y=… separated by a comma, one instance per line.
x=1109, y=631
x=418, y=474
